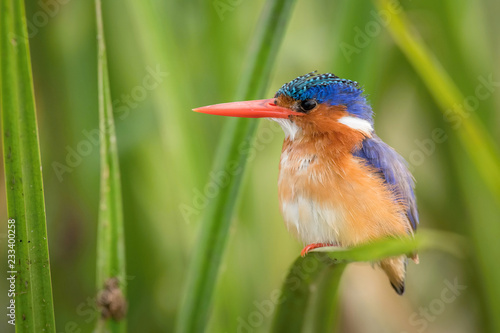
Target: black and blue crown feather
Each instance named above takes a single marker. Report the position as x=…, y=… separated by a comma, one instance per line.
x=331, y=89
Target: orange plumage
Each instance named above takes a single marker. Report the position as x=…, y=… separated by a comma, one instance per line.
x=339, y=183
x=329, y=196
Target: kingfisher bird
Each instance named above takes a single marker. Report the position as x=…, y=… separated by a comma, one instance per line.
x=339, y=184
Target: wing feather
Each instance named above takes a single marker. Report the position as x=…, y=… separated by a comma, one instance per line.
x=393, y=168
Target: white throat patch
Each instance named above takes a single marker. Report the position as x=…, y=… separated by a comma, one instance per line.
x=289, y=127
x=357, y=124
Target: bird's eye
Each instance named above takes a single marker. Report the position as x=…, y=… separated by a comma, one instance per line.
x=308, y=104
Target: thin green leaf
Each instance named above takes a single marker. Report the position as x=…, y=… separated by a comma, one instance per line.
x=23, y=176
x=317, y=277
x=295, y=296
x=161, y=48
x=391, y=247
x=213, y=236
x=110, y=240
x=473, y=135
x=325, y=308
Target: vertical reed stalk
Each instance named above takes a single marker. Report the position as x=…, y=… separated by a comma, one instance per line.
x=213, y=235
x=28, y=251
x=111, y=282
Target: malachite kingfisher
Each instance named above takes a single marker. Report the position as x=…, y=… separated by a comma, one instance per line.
x=339, y=183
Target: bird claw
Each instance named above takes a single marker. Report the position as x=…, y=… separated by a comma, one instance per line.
x=313, y=246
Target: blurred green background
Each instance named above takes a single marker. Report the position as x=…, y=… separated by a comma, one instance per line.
x=196, y=51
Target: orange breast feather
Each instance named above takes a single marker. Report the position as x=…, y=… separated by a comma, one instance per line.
x=328, y=196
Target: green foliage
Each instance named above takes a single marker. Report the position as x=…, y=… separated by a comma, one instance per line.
x=23, y=177
x=219, y=214
x=474, y=138
x=110, y=234
x=430, y=55
x=310, y=290
x=473, y=135
x=313, y=275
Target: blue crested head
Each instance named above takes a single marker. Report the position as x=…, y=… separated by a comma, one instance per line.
x=329, y=88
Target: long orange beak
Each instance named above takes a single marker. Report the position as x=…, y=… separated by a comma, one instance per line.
x=261, y=108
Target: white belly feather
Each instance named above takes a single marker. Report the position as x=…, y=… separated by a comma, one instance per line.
x=332, y=198
x=312, y=222
x=309, y=220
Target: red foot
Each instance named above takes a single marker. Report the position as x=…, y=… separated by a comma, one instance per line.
x=313, y=246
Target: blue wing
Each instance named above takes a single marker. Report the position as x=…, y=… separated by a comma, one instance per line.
x=393, y=168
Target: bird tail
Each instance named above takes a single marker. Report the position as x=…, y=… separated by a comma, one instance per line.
x=395, y=268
